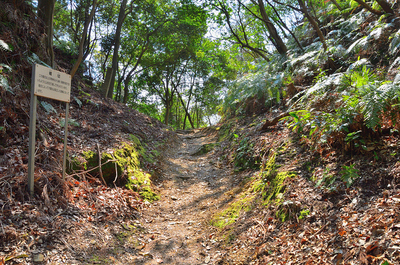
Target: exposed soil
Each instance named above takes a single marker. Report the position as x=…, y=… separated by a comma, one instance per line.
x=192, y=187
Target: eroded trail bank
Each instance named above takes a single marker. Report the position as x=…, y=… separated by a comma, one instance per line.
x=192, y=187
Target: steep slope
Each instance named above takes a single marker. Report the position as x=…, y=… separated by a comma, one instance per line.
x=321, y=165
x=127, y=141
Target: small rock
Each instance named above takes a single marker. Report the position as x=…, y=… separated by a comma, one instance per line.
x=38, y=258
x=174, y=198
x=207, y=260
x=146, y=254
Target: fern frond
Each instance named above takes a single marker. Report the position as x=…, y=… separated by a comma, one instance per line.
x=4, y=83
x=35, y=59
x=4, y=46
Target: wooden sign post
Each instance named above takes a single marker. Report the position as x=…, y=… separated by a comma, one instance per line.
x=53, y=84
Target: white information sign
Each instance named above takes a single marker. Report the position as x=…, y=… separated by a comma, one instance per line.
x=52, y=84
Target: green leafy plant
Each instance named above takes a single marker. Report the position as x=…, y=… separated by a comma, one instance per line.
x=244, y=157
x=342, y=108
x=349, y=174
x=4, y=67
x=327, y=179
x=304, y=213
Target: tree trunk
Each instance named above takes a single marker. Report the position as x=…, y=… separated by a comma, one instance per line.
x=126, y=89
x=313, y=23
x=117, y=39
x=106, y=84
x=186, y=110
x=370, y=9
x=285, y=26
x=337, y=5
x=278, y=42
x=385, y=6
x=46, y=13
x=83, y=38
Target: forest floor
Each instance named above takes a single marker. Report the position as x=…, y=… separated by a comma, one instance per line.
x=173, y=230
x=360, y=225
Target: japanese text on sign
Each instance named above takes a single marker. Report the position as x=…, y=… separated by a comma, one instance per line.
x=53, y=84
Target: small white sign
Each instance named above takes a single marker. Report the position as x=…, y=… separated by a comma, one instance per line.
x=53, y=84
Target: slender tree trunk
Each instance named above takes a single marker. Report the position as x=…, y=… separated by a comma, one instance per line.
x=337, y=5
x=46, y=13
x=106, y=84
x=279, y=44
x=370, y=9
x=242, y=43
x=126, y=89
x=385, y=6
x=313, y=23
x=285, y=26
x=117, y=43
x=83, y=39
x=186, y=110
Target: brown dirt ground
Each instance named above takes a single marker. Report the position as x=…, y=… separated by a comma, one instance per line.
x=193, y=188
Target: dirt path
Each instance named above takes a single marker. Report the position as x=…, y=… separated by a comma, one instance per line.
x=192, y=188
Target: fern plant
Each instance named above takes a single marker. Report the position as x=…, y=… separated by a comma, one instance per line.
x=341, y=107
x=4, y=67
x=264, y=84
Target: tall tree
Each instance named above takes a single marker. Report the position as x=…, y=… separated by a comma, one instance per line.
x=46, y=13
x=276, y=39
x=117, y=41
x=84, y=40
x=238, y=30
x=313, y=23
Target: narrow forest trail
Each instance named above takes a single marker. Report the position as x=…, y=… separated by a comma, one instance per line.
x=192, y=188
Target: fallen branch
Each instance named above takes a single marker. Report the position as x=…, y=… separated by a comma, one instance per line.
x=274, y=121
x=101, y=172
x=87, y=171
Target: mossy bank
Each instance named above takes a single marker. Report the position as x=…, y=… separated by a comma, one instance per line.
x=120, y=167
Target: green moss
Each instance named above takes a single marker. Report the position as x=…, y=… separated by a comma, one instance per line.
x=304, y=213
x=99, y=260
x=224, y=132
x=204, y=149
x=140, y=182
x=277, y=187
x=232, y=213
x=271, y=182
x=282, y=215
x=122, y=161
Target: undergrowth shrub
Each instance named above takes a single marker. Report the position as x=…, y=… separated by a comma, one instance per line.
x=346, y=110
x=256, y=91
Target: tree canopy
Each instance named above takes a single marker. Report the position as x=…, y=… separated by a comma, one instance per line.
x=175, y=59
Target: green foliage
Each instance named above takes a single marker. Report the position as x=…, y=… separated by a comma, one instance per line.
x=261, y=85
x=48, y=107
x=327, y=179
x=394, y=46
x=349, y=174
x=304, y=213
x=339, y=108
x=34, y=59
x=4, y=46
x=244, y=154
x=4, y=67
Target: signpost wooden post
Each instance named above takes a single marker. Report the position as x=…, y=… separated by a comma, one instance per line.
x=53, y=84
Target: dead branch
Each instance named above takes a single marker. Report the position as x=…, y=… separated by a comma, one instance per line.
x=101, y=172
x=274, y=121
